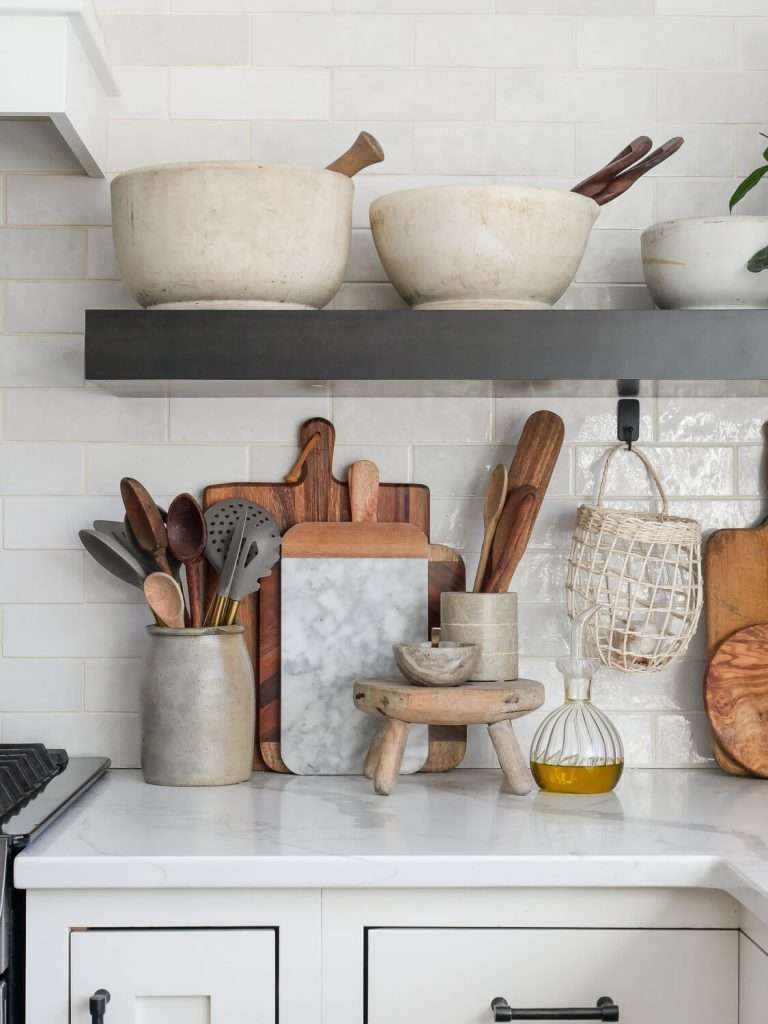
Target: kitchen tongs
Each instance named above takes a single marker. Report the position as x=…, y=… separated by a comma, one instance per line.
x=623, y=171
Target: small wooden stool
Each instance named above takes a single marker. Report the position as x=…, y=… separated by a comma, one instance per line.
x=403, y=705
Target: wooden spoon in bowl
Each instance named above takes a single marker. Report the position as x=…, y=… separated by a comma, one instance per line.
x=146, y=522
x=363, y=152
x=165, y=598
x=187, y=537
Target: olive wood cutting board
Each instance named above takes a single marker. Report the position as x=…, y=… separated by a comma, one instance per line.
x=735, y=595
x=736, y=697
x=316, y=496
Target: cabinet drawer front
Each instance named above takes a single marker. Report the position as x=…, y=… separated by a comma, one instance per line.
x=657, y=976
x=176, y=976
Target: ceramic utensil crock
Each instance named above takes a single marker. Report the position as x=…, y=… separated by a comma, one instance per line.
x=198, y=707
x=489, y=620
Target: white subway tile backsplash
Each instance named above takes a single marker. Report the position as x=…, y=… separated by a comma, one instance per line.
x=605, y=296
x=41, y=577
x=51, y=199
x=415, y=94
x=614, y=254
x=649, y=42
x=254, y=6
x=176, y=39
x=143, y=93
x=166, y=469
x=393, y=461
x=53, y=522
x=42, y=252
x=113, y=684
x=415, y=420
x=59, y=307
x=367, y=296
x=751, y=42
x=102, y=259
x=250, y=93
x=460, y=472
x=707, y=152
x=683, y=471
x=416, y=6
x=753, y=471
x=139, y=143
x=678, y=688
x=595, y=7
x=457, y=522
x=29, y=360
x=529, y=95
x=683, y=739
x=675, y=198
x=636, y=733
x=735, y=8
x=83, y=414
x=731, y=97
x=717, y=419
x=241, y=420
x=540, y=577
x=494, y=41
x=101, y=587
x=520, y=149
x=717, y=515
x=364, y=264
x=544, y=630
x=116, y=736
x=41, y=469
x=74, y=631
x=40, y=684
x=335, y=40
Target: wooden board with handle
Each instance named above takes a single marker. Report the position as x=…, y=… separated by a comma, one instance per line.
x=735, y=595
x=316, y=496
x=736, y=697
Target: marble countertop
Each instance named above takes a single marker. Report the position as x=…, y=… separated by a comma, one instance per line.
x=684, y=828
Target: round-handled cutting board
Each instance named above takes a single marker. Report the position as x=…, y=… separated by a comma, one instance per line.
x=736, y=697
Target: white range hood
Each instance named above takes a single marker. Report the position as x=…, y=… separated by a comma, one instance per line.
x=53, y=64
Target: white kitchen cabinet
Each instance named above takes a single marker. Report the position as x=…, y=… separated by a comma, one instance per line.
x=176, y=976
x=753, y=982
x=451, y=974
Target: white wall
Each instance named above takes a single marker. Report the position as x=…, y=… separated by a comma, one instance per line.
x=457, y=90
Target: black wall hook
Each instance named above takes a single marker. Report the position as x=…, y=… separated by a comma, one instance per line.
x=628, y=421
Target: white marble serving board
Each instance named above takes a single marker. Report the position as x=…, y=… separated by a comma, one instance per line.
x=339, y=619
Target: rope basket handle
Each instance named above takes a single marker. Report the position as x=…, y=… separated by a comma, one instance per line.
x=648, y=466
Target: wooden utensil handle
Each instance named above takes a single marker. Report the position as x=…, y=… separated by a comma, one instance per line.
x=363, y=480
x=363, y=152
x=195, y=593
x=619, y=185
x=596, y=182
x=294, y=473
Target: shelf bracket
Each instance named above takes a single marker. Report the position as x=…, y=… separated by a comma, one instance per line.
x=628, y=412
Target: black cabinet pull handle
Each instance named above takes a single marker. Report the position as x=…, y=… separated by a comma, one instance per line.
x=97, y=1005
x=604, y=1010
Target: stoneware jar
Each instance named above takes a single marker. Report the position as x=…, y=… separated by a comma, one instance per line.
x=489, y=620
x=198, y=707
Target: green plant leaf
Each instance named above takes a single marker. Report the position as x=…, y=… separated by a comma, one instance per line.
x=747, y=185
x=759, y=261
x=765, y=154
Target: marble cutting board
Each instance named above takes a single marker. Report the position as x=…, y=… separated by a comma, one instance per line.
x=339, y=619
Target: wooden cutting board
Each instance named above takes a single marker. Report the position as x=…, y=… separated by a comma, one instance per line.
x=735, y=594
x=736, y=698
x=317, y=496
x=350, y=591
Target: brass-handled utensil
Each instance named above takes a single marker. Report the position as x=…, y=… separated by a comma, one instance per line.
x=165, y=599
x=146, y=522
x=363, y=152
x=495, y=496
x=187, y=536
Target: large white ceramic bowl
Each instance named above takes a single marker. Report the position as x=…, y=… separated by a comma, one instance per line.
x=701, y=263
x=481, y=246
x=224, y=235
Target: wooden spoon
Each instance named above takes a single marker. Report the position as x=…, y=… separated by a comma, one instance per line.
x=363, y=480
x=495, y=496
x=165, y=598
x=146, y=522
x=521, y=509
x=363, y=152
x=187, y=537
x=619, y=185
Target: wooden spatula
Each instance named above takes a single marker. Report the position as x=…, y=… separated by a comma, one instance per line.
x=532, y=466
x=493, y=506
x=523, y=508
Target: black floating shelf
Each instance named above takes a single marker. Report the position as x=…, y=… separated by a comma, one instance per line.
x=401, y=351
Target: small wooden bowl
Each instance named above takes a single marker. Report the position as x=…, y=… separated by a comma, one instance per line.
x=448, y=664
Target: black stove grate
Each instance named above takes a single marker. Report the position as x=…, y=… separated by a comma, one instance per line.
x=25, y=769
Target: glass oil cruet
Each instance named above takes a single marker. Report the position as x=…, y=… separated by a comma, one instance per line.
x=576, y=748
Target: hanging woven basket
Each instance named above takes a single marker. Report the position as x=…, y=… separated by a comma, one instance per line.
x=643, y=570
